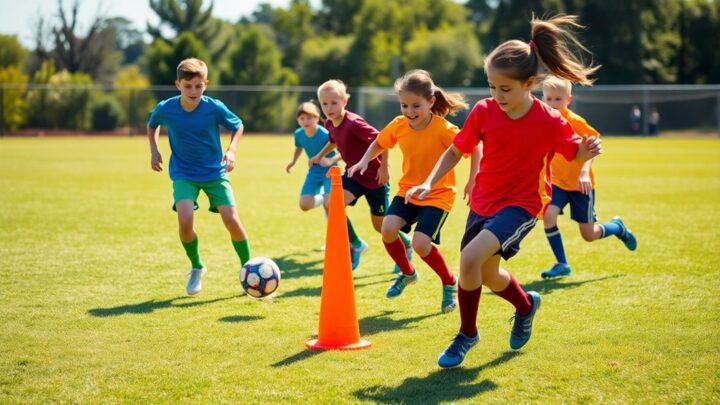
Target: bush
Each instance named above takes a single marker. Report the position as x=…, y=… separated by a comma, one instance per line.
x=106, y=114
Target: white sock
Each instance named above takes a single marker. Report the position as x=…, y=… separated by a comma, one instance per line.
x=318, y=200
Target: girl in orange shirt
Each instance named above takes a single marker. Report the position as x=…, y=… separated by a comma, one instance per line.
x=423, y=135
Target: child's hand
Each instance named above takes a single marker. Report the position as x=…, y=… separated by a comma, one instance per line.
x=229, y=160
x=360, y=166
x=314, y=160
x=588, y=148
x=468, y=190
x=325, y=162
x=289, y=166
x=584, y=183
x=156, y=162
x=421, y=191
x=383, y=175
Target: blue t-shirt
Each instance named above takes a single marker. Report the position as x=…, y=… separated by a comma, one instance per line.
x=195, y=137
x=313, y=145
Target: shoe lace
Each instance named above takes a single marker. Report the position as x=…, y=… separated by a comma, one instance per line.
x=456, y=347
x=518, y=328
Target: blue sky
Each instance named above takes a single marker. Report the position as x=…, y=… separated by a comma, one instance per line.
x=19, y=16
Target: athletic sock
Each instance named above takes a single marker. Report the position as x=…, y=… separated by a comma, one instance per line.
x=354, y=238
x=396, y=249
x=317, y=200
x=436, y=261
x=610, y=228
x=516, y=296
x=193, y=253
x=469, y=301
x=556, y=243
x=242, y=247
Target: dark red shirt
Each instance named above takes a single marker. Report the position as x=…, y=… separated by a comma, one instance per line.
x=514, y=169
x=353, y=136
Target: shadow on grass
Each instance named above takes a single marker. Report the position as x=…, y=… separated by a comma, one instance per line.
x=548, y=286
x=439, y=386
x=315, y=291
x=291, y=267
x=240, y=318
x=305, y=354
x=373, y=324
x=153, y=305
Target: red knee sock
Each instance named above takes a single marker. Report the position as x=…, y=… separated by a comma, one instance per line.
x=437, y=262
x=396, y=250
x=516, y=296
x=469, y=302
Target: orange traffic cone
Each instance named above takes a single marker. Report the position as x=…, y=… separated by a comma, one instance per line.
x=339, y=329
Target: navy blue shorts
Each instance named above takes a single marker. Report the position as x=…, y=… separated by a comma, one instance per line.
x=376, y=198
x=582, y=206
x=430, y=220
x=509, y=225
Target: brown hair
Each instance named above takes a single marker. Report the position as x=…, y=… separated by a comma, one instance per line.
x=419, y=82
x=308, y=108
x=548, y=47
x=190, y=68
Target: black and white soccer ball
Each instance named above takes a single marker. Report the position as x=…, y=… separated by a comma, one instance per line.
x=260, y=277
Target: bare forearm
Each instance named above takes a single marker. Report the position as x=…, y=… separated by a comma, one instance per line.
x=447, y=161
x=153, y=134
x=234, y=138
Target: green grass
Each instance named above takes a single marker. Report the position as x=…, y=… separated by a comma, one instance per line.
x=93, y=276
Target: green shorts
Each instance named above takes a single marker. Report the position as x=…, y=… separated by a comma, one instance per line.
x=218, y=191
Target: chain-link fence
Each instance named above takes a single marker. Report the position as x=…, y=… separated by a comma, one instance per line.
x=33, y=109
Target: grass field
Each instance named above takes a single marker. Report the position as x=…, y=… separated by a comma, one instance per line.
x=94, y=309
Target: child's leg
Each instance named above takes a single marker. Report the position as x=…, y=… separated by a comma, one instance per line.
x=431, y=255
x=308, y=202
x=188, y=237
x=353, y=237
x=553, y=233
x=504, y=285
x=237, y=231
x=393, y=244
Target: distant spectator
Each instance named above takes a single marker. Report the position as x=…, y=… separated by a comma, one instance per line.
x=653, y=121
x=635, y=119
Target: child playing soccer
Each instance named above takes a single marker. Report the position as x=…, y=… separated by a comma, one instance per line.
x=574, y=183
x=197, y=161
x=519, y=134
x=351, y=135
x=423, y=135
x=311, y=137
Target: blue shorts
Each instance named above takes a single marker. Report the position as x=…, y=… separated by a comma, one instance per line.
x=316, y=182
x=509, y=225
x=430, y=220
x=376, y=198
x=582, y=206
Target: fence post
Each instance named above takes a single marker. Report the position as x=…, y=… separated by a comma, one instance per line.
x=361, y=102
x=2, y=111
x=131, y=113
x=645, y=112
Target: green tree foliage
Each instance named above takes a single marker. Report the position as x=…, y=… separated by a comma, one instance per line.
x=128, y=39
x=163, y=57
x=133, y=95
x=336, y=16
x=106, y=113
x=293, y=27
x=256, y=60
x=698, y=60
x=324, y=58
x=13, y=98
x=438, y=53
x=12, y=53
x=64, y=102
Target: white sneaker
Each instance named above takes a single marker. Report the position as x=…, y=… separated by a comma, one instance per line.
x=194, y=284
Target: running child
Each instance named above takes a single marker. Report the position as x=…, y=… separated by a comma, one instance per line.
x=197, y=161
x=574, y=183
x=423, y=135
x=519, y=135
x=352, y=135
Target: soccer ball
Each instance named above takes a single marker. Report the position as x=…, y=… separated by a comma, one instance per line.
x=259, y=277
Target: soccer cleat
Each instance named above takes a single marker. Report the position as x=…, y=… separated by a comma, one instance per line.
x=557, y=270
x=400, y=283
x=356, y=252
x=455, y=353
x=409, y=253
x=522, y=328
x=449, y=297
x=626, y=236
x=194, y=284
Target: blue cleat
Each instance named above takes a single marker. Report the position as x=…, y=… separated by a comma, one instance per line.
x=557, y=270
x=455, y=353
x=626, y=236
x=356, y=252
x=449, y=297
x=522, y=328
x=400, y=283
x=409, y=253
x=194, y=284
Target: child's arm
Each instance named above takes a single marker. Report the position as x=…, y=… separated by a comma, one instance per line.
x=447, y=161
x=588, y=148
x=329, y=161
x=373, y=151
x=229, y=157
x=584, y=182
x=316, y=159
x=296, y=155
x=474, y=169
x=383, y=174
x=156, y=162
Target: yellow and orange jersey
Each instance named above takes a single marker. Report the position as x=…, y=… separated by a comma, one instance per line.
x=421, y=149
x=565, y=173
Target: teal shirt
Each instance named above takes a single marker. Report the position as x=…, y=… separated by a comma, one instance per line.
x=313, y=145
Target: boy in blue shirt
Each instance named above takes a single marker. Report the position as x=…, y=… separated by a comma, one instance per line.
x=197, y=161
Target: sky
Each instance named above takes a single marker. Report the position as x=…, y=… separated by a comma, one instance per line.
x=19, y=16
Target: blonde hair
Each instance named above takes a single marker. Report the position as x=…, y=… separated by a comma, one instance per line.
x=335, y=85
x=190, y=68
x=547, y=48
x=308, y=108
x=552, y=82
x=419, y=82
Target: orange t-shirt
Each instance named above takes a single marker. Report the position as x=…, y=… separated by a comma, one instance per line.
x=421, y=149
x=565, y=173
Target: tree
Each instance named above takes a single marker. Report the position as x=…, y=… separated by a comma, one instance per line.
x=128, y=39
x=12, y=53
x=323, y=58
x=133, y=95
x=163, y=57
x=293, y=27
x=336, y=16
x=13, y=98
x=697, y=59
x=438, y=53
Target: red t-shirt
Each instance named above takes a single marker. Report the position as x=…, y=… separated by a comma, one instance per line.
x=353, y=136
x=514, y=169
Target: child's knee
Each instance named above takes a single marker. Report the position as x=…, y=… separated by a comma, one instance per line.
x=422, y=246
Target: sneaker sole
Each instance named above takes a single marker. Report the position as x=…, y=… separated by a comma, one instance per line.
x=546, y=276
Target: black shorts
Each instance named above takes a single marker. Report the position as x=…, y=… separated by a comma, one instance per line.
x=430, y=220
x=509, y=225
x=377, y=198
